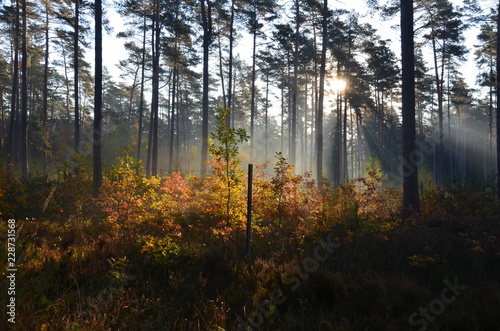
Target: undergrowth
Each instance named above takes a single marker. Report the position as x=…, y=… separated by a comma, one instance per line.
x=165, y=253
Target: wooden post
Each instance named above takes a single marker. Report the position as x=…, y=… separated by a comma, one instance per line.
x=249, y=212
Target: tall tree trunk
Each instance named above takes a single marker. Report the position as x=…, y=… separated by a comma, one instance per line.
x=295, y=89
x=321, y=97
x=345, y=175
x=156, y=92
x=498, y=101
x=24, y=94
x=141, y=102
x=173, y=107
x=151, y=113
x=76, y=79
x=266, y=124
x=97, y=135
x=221, y=71
x=411, y=198
x=45, y=90
x=11, y=159
x=439, y=90
x=252, y=99
x=206, y=13
x=489, y=167
x=230, y=75
x=2, y=114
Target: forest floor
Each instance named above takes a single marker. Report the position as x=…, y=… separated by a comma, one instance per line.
x=167, y=254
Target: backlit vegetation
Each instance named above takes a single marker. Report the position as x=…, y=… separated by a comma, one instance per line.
x=165, y=253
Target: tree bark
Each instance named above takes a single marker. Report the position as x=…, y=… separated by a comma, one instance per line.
x=498, y=100
x=24, y=94
x=207, y=35
x=156, y=92
x=173, y=107
x=321, y=97
x=76, y=67
x=45, y=89
x=295, y=89
x=11, y=159
x=230, y=75
x=252, y=99
x=97, y=134
x=411, y=198
x=141, y=102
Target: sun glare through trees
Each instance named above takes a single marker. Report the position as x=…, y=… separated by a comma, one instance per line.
x=371, y=134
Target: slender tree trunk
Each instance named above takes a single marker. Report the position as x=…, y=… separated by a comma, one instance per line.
x=45, y=89
x=345, y=175
x=439, y=91
x=11, y=159
x=97, y=135
x=489, y=167
x=498, y=101
x=282, y=115
x=173, y=107
x=141, y=102
x=221, y=70
x=24, y=94
x=411, y=198
x=68, y=98
x=252, y=99
x=321, y=97
x=131, y=104
x=156, y=92
x=295, y=89
x=230, y=75
x=3, y=118
x=267, y=120
x=151, y=113
x=206, y=14
x=76, y=67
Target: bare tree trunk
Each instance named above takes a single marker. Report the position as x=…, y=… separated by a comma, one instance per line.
x=295, y=89
x=97, y=136
x=230, y=75
x=76, y=79
x=411, y=198
x=321, y=97
x=252, y=99
x=11, y=159
x=221, y=71
x=498, y=101
x=24, y=94
x=45, y=89
x=141, y=102
x=173, y=107
x=155, y=92
x=206, y=9
x=267, y=120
